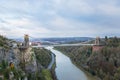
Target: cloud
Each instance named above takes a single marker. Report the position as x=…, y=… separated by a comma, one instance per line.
x=15, y=27
x=57, y=18
x=89, y=7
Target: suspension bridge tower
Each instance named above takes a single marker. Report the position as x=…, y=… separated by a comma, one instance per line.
x=97, y=41
x=98, y=46
x=26, y=40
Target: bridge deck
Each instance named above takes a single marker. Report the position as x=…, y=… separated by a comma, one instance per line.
x=80, y=44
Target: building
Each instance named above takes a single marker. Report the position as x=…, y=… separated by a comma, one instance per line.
x=36, y=44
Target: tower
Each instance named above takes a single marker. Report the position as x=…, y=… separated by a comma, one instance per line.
x=26, y=40
x=98, y=46
x=97, y=41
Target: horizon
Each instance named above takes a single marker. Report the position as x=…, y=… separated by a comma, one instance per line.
x=59, y=18
x=63, y=37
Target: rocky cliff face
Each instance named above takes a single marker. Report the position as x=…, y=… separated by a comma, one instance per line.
x=2, y=54
x=11, y=55
x=30, y=61
x=21, y=63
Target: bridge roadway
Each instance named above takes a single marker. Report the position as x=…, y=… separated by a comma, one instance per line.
x=77, y=44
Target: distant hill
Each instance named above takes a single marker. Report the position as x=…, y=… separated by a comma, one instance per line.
x=59, y=40
x=64, y=39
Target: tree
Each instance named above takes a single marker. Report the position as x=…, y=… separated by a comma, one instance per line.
x=106, y=38
x=117, y=74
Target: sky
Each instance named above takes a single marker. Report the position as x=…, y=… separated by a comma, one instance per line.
x=59, y=18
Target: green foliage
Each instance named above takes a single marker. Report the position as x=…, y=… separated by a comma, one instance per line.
x=107, y=77
x=29, y=76
x=104, y=63
x=5, y=70
x=106, y=38
x=4, y=64
x=6, y=74
x=78, y=54
x=112, y=42
x=3, y=42
x=43, y=56
x=117, y=74
x=46, y=75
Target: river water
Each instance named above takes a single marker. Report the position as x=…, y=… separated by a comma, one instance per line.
x=65, y=69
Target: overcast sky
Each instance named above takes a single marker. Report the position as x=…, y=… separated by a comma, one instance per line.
x=60, y=18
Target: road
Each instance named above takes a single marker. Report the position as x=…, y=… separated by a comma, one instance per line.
x=77, y=44
x=52, y=61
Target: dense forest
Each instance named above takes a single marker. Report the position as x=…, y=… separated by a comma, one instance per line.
x=104, y=63
x=43, y=56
